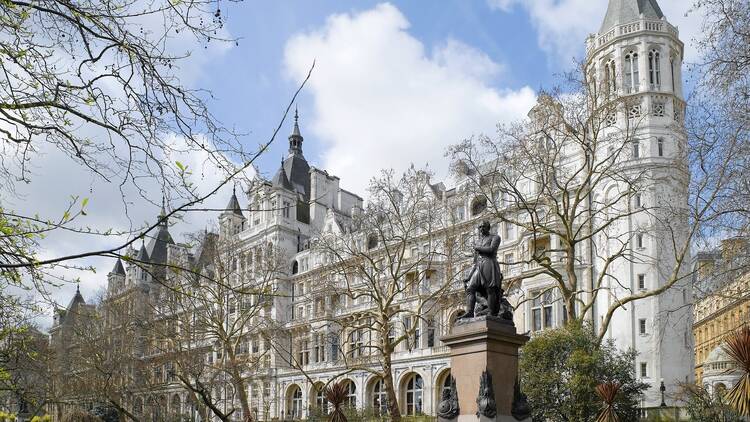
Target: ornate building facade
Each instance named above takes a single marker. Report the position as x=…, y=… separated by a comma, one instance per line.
x=637, y=54
x=722, y=306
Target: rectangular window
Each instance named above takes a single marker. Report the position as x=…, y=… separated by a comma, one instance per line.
x=642, y=281
x=638, y=202
x=644, y=370
x=642, y=327
x=508, y=230
x=459, y=213
x=508, y=262
x=541, y=311
x=639, y=240
x=636, y=150
x=335, y=348
x=660, y=147
x=430, y=332
x=285, y=211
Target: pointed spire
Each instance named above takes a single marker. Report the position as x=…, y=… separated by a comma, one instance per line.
x=142, y=256
x=77, y=298
x=233, y=207
x=163, y=220
x=620, y=12
x=118, y=269
x=295, y=139
x=296, y=122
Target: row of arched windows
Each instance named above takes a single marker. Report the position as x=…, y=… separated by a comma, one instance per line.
x=411, y=397
x=631, y=80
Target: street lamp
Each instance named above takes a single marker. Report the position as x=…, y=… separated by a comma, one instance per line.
x=662, y=388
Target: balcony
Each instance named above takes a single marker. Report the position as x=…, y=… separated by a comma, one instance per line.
x=643, y=25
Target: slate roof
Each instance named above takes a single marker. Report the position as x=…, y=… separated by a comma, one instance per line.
x=626, y=11
x=118, y=269
x=157, y=246
x=77, y=300
x=233, y=207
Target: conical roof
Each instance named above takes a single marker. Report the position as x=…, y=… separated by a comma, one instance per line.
x=77, y=299
x=625, y=11
x=280, y=179
x=142, y=256
x=233, y=207
x=157, y=246
x=118, y=269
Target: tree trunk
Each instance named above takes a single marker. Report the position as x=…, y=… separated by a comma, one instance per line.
x=239, y=387
x=390, y=387
x=572, y=282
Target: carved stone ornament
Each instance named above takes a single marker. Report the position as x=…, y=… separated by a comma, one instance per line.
x=520, y=407
x=486, y=405
x=448, y=406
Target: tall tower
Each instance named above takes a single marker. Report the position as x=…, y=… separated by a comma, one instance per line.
x=635, y=60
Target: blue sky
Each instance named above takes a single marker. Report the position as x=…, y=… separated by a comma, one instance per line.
x=252, y=88
x=530, y=41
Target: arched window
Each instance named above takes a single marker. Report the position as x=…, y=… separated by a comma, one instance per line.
x=610, y=78
x=138, y=406
x=414, y=394
x=478, y=205
x=446, y=384
x=372, y=241
x=654, y=69
x=379, y=398
x=295, y=267
x=671, y=72
x=320, y=399
x=295, y=405
x=176, y=405
x=631, y=72
x=351, y=395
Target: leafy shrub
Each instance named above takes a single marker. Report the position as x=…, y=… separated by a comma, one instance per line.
x=561, y=368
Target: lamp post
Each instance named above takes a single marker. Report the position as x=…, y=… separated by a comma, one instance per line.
x=662, y=388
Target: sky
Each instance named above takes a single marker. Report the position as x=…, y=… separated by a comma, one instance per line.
x=394, y=83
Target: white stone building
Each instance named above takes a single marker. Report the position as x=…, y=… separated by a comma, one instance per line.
x=639, y=54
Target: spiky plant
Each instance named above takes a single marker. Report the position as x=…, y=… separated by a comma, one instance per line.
x=738, y=348
x=336, y=394
x=608, y=392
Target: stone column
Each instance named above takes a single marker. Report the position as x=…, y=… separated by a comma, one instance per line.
x=485, y=344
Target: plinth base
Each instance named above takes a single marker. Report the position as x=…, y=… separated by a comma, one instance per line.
x=480, y=344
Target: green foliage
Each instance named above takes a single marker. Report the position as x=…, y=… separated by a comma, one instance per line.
x=45, y=418
x=561, y=368
x=7, y=417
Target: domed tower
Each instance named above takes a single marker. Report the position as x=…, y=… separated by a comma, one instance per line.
x=634, y=65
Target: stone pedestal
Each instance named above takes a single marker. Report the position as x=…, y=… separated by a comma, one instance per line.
x=480, y=344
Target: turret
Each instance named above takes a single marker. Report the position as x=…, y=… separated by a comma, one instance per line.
x=232, y=220
x=116, y=278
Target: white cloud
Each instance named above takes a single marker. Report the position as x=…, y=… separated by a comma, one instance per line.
x=382, y=101
x=563, y=25
x=57, y=178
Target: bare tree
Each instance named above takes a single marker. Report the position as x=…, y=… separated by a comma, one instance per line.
x=724, y=44
x=587, y=187
x=99, y=83
x=212, y=328
x=393, y=266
